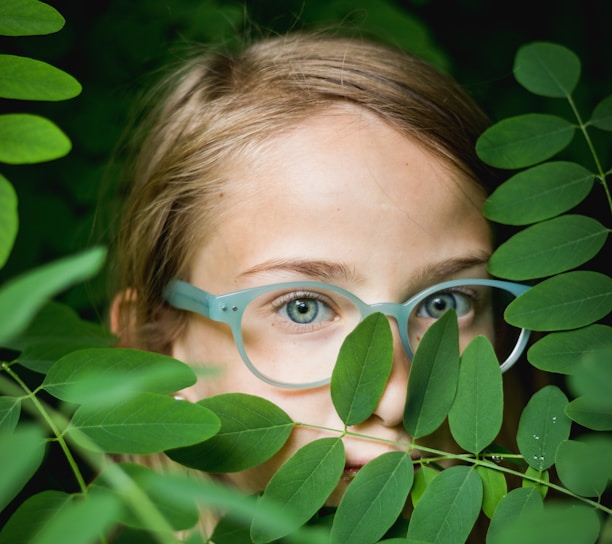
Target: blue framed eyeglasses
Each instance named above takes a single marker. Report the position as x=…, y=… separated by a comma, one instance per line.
x=289, y=334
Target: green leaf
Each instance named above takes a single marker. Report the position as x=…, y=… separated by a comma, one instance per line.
x=300, y=487
x=29, y=79
x=422, y=478
x=180, y=513
x=547, y=69
x=568, y=301
x=494, y=488
x=602, y=114
x=28, y=18
x=9, y=219
x=476, y=415
x=27, y=139
x=26, y=294
x=31, y=515
x=374, y=499
x=362, y=370
x=556, y=522
x=21, y=453
x=10, y=410
x=539, y=193
x=592, y=376
x=449, y=507
x=560, y=352
x=537, y=479
x=525, y=140
x=106, y=376
x=549, y=248
x=81, y=520
x=590, y=414
x=147, y=423
x=511, y=508
x=433, y=377
x=584, y=466
x=542, y=427
x=252, y=430
x=56, y=331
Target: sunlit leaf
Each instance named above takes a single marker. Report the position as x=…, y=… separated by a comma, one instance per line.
x=433, y=377
x=511, y=508
x=374, y=499
x=494, y=488
x=300, y=487
x=542, y=427
x=560, y=352
x=539, y=193
x=27, y=139
x=25, y=295
x=10, y=409
x=584, y=466
x=106, y=376
x=9, y=219
x=54, y=332
x=252, y=430
x=590, y=414
x=556, y=522
x=449, y=507
x=80, y=520
x=422, y=478
x=28, y=18
x=146, y=423
x=525, y=140
x=31, y=515
x=568, y=301
x=30, y=79
x=476, y=415
x=602, y=115
x=547, y=69
x=180, y=513
x=363, y=368
x=21, y=453
x=549, y=248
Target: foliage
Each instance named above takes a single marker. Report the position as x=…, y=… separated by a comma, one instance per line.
x=93, y=401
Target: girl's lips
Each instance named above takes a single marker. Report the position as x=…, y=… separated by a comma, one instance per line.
x=350, y=471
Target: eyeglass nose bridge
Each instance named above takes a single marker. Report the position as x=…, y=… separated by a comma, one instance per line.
x=401, y=314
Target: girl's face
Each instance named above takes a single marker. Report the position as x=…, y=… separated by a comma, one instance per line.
x=343, y=199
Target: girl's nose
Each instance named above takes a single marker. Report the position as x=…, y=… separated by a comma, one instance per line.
x=390, y=409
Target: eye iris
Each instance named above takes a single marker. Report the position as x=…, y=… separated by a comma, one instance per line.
x=439, y=304
x=303, y=310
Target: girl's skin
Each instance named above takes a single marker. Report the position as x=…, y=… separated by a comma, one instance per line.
x=345, y=199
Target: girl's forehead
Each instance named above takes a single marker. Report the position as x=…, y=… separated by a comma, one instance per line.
x=343, y=186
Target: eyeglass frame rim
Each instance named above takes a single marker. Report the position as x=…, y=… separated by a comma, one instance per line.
x=229, y=308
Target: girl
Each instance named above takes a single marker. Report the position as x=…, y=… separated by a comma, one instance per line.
x=314, y=176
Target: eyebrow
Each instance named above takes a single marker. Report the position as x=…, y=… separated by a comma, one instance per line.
x=315, y=269
x=332, y=271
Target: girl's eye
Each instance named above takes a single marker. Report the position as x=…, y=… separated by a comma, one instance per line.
x=306, y=310
x=435, y=305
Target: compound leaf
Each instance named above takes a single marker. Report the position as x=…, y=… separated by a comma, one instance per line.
x=542, y=427
x=252, y=430
x=362, y=370
x=539, y=193
x=524, y=140
x=547, y=69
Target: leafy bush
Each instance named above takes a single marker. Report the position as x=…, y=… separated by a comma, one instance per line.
x=93, y=401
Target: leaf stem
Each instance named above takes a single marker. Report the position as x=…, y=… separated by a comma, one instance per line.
x=54, y=429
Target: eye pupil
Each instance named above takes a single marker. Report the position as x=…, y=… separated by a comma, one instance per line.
x=439, y=303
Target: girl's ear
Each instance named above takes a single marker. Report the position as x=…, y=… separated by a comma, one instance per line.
x=122, y=317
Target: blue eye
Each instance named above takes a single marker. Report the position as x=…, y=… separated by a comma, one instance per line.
x=438, y=303
x=305, y=309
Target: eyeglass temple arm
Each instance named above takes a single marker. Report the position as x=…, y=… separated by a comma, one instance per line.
x=184, y=296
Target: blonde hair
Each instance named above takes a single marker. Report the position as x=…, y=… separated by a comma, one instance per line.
x=218, y=106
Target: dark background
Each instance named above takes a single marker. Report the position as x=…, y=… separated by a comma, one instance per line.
x=115, y=48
